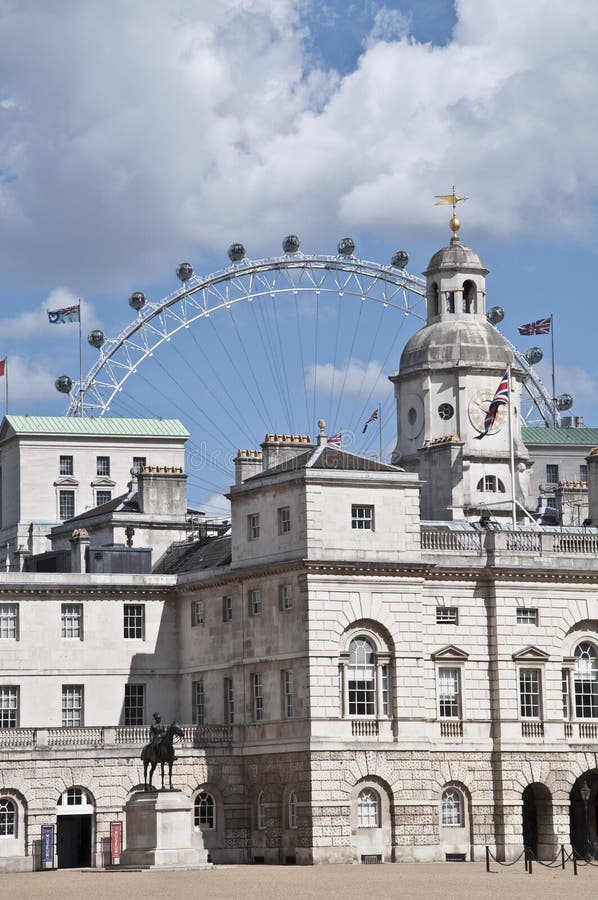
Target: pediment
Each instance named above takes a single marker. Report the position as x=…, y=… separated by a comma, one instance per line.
x=103, y=481
x=66, y=481
x=450, y=652
x=530, y=654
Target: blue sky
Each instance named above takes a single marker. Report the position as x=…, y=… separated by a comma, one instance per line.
x=135, y=136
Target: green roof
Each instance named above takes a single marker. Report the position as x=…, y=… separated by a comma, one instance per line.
x=96, y=426
x=582, y=437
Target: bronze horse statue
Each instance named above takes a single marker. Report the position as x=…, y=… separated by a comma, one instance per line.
x=161, y=752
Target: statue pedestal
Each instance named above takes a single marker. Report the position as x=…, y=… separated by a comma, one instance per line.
x=159, y=831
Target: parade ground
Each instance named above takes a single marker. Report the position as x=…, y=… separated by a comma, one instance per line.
x=437, y=881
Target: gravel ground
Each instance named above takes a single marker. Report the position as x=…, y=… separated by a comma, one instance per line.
x=437, y=881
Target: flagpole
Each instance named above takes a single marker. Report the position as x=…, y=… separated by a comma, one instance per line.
x=511, y=448
x=380, y=428
x=6, y=386
x=554, y=410
x=80, y=365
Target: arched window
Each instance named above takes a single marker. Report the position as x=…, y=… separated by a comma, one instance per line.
x=469, y=297
x=452, y=807
x=368, y=809
x=586, y=681
x=260, y=812
x=8, y=818
x=74, y=796
x=490, y=484
x=434, y=301
x=449, y=296
x=364, y=678
x=204, y=812
x=292, y=810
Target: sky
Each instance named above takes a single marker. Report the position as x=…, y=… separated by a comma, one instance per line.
x=137, y=135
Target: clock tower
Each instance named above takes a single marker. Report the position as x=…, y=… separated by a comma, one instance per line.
x=448, y=374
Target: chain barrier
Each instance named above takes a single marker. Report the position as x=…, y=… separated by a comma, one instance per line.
x=559, y=862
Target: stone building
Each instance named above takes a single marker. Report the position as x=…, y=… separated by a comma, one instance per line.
x=370, y=664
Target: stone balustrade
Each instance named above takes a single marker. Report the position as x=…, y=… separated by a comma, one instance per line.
x=103, y=737
x=493, y=543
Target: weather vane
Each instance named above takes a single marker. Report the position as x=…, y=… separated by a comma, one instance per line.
x=451, y=200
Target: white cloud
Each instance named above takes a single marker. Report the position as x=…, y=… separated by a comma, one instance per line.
x=28, y=382
x=34, y=322
x=215, y=506
x=353, y=378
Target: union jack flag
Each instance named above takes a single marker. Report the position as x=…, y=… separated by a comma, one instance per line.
x=336, y=439
x=372, y=418
x=501, y=398
x=541, y=326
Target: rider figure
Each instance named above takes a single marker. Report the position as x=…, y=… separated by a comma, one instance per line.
x=157, y=731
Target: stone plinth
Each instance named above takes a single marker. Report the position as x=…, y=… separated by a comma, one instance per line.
x=160, y=831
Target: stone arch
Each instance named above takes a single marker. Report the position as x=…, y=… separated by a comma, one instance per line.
x=372, y=834
x=455, y=832
x=454, y=772
x=538, y=820
x=14, y=845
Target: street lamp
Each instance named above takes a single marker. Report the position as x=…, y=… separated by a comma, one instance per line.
x=585, y=792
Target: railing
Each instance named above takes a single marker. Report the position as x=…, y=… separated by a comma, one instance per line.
x=523, y=540
x=132, y=734
x=17, y=737
x=507, y=541
x=588, y=730
x=209, y=735
x=451, y=540
x=364, y=728
x=453, y=729
x=75, y=737
x=532, y=729
x=568, y=729
x=127, y=736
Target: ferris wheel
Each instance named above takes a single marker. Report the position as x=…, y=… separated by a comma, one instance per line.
x=292, y=326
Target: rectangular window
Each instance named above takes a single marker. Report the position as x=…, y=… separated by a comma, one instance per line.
x=197, y=613
x=529, y=693
x=285, y=596
x=66, y=465
x=103, y=497
x=197, y=702
x=134, y=621
x=9, y=621
x=284, y=520
x=362, y=518
x=229, y=702
x=134, y=704
x=66, y=505
x=102, y=465
x=565, y=692
x=447, y=615
x=258, y=696
x=526, y=616
x=255, y=603
x=449, y=700
x=9, y=706
x=138, y=464
x=288, y=690
x=583, y=472
x=72, y=705
x=550, y=502
x=71, y=617
x=552, y=473
x=385, y=690
x=227, y=609
x=253, y=527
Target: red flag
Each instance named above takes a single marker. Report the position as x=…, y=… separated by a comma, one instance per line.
x=2, y=367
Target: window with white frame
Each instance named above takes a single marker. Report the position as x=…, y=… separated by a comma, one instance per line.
x=284, y=520
x=257, y=680
x=66, y=504
x=8, y=818
x=9, y=621
x=292, y=810
x=490, y=484
x=565, y=693
x=285, y=596
x=527, y=616
x=227, y=609
x=364, y=673
x=552, y=473
x=74, y=796
x=447, y=615
x=9, y=706
x=229, y=702
x=134, y=708
x=134, y=621
x=368, y=809
x=71, y=620
x=288, y=692
x=583, y=472
x=253, y=526
x=260, y=812
x=204, y=812
x=255, y=602
x=362, y=517
x=452, y=808
x=103, y=497
x=449, y=694
x=103, y=465
x=65, y=466
x=585, y=681
x=139, y=463
x=197, y=702
x=530, y=695
x=72, y=705
x=197, y=613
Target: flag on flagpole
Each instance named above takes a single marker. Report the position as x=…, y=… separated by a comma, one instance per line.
x=541, y=326
x=372, y=418
x=335, y=440
x=63, y=316
x=2, y=367
x=501, y=398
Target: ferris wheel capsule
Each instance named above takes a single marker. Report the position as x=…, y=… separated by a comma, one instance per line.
x=564, y=402
x=184, y=272
x=137, y=300
x=291, y=243
x=399, y=259
x=236, y=252
x=64, y=384
x=96, y=338
x=534, y=355
x=346, y=246
x=495, y=315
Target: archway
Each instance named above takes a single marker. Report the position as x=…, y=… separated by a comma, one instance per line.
x=584, y=815
x=538, y=826
x=74, y=829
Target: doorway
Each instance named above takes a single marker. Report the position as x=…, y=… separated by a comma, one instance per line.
x=73, y=841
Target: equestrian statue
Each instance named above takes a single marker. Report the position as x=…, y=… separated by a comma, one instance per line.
x=160, y=750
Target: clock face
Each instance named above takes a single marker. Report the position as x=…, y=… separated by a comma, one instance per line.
x=446, y=411
x=478, y=408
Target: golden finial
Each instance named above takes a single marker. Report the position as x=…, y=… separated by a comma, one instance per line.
x=451, y=200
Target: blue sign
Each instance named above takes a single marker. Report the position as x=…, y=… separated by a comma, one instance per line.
x=47, y=843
